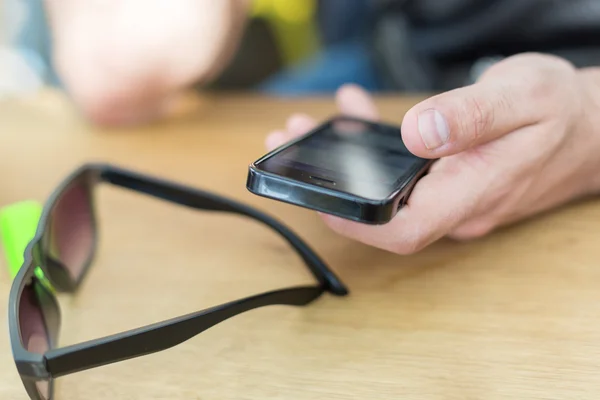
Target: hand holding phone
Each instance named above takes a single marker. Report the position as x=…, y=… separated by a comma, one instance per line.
x=347, y=167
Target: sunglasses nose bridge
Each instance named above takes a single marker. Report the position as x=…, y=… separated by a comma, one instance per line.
x=48, y=271
x=58, y=276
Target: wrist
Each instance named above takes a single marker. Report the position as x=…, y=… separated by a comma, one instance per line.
x=591, y=124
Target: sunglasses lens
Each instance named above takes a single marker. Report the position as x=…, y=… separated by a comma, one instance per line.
x=72, y=232
x=34, y=333
x=43, y=388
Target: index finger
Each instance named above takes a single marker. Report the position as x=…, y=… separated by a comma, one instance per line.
x=438, y=203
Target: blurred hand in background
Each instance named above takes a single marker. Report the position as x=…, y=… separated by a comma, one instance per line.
x=122, y=61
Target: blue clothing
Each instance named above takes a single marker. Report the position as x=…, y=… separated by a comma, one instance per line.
x=326, y=72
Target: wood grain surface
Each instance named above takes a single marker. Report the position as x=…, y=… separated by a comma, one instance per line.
x=515, y=315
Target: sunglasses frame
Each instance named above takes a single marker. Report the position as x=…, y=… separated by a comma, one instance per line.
x=34, y=368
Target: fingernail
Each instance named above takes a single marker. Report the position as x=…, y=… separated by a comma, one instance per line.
x=433, y=129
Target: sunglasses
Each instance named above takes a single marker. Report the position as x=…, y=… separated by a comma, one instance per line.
x=60, y=254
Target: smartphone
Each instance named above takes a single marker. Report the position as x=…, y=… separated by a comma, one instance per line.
x=347, y=167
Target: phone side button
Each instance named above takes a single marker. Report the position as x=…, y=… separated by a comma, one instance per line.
x=404, y=200
x=410, y=189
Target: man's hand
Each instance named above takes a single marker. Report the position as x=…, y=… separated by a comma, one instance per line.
x=524, y=139
x=121, y=61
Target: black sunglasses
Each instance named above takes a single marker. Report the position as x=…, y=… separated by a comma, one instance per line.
x=61, y=252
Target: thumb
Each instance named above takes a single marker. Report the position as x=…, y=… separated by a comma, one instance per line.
x=460, y=119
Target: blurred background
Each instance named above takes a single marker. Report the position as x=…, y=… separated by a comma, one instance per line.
x=295, y=47
x=285, y=49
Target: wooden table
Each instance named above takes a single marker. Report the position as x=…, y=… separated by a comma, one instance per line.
x=515, y=315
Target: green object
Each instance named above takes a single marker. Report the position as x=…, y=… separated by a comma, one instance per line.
x=18, y=224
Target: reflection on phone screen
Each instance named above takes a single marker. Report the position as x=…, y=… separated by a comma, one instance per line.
x=366, y=160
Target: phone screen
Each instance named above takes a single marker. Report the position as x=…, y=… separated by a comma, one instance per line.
x=359, y=158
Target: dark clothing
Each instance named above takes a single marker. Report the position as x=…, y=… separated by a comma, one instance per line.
x=441, y=44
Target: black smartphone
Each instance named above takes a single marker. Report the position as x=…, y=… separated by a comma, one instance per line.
x=347, y=167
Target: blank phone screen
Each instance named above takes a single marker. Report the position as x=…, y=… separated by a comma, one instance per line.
x=359, y=158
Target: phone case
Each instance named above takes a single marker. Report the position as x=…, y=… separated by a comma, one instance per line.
x=329, y=201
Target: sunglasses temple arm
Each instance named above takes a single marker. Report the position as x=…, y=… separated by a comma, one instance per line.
x=201, y=200
x=167, y=334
